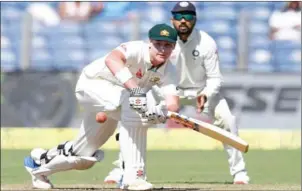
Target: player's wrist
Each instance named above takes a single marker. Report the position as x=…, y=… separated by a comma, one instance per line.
x=130, y=84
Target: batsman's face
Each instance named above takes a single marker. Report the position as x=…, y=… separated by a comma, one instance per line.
x=160, y=51
x=183, y=23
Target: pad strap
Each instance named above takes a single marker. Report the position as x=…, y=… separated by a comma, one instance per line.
x=44, y=159
x=61, y=150
x=117, y=136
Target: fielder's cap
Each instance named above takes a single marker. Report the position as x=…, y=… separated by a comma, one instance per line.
x=184, y=6
x=163, y=32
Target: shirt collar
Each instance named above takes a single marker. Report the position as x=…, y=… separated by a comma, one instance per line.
x=161, y=69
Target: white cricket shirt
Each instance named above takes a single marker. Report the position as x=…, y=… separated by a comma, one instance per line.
x=197, y=64
x=138, y=61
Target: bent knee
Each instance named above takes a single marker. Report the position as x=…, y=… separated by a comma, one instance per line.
x=224, y=121
x=83, y=163
x=229, y=119
x=229, y=123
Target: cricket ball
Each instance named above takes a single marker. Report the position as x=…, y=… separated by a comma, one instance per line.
x=101, y=117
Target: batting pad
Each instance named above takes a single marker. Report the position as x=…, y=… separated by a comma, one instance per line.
x=63, y=163
x=133, y=139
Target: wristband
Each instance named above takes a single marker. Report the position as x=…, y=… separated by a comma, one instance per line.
x=123, y=75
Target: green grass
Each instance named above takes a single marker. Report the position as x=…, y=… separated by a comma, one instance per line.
x=174, y=167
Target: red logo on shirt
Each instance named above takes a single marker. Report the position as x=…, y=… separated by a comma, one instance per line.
x=139, y=74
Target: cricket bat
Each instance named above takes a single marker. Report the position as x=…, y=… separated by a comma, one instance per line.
x=210, y=130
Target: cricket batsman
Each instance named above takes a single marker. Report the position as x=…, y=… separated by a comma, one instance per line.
x=115, y=87
x=196, y=62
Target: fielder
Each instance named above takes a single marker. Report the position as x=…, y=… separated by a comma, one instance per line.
x=116, y=85
x=196, y=62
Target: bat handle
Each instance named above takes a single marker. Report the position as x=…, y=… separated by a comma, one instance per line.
x=169, y=113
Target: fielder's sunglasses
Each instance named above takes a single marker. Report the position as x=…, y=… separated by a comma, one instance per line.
x=187, y=17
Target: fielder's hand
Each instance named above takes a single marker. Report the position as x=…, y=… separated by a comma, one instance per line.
x=138, y=100
x=201, y=100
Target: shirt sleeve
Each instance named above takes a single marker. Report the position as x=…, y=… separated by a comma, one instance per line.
x=130, y=50
x=211, y=64
x=274, y=20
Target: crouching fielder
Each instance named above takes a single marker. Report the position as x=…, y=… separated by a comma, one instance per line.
x=115, y=85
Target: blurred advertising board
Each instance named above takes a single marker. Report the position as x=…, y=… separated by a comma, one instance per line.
x=37, y=99
x=264, y=100
x=46, y=99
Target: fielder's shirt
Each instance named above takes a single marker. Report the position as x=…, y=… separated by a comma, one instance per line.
x=197, y=64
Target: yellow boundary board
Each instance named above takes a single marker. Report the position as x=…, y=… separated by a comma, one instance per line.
x=158, y=139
